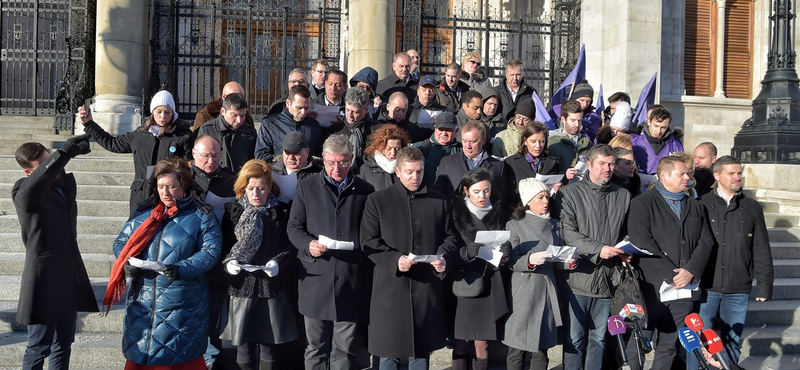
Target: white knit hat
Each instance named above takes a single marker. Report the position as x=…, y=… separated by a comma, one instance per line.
x=529, y=188
x=163, y=97
x=622, y=116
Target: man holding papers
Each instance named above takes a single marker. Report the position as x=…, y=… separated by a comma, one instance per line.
x=407, y=309
x=593, y=213
x=293, y=118
x=674, y=227
x=326, y=213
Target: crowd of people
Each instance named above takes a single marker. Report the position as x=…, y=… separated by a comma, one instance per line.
x=359, y=232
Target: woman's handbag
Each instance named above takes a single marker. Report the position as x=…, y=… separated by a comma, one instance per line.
x=468, y=283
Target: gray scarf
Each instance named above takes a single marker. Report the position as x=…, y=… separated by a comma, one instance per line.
x=479, y=212
x=249, y=229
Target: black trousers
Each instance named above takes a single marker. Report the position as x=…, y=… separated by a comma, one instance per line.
x=667, y=318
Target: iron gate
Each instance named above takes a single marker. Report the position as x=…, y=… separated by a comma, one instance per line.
x=199, y=45
x=46, y=55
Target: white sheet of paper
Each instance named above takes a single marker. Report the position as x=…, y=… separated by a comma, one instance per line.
x=492, y=238
x=287, y=184
x=425, y=258
x=669, y=293
x=252, y=268
x=629, y=248
x=549, y=180
x=581, y=167
x=150, y=170
x=336, y=244
x=427, y=118
x=327, y=114
x=491, y=254
x=560, y=253
x=647, y=180
x=218, y=203
x=146, y=265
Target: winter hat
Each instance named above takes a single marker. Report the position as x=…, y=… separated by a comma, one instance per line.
x=526, y=108
x=582, y=89
x=529, y=188
x=163, y=97
x=622, y=116
x=445, y=120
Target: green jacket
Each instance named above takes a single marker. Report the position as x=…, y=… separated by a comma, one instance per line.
x=434, y=152
x=506, y=142
x=562, y=147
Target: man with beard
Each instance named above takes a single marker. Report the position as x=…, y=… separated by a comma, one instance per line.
x=513, y=88
x=451, y=88
x=656, y=141
x=705, y=154
x=400, y=79
x=238, y=140
x=568, y=143
x=395, y=113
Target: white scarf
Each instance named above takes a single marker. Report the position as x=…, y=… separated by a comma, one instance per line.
x=479, y=212
x=544, y=216
x=384, y=163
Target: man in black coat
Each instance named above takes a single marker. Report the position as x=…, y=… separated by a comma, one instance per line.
x=296, y=158
x=293, y=118
x=331, y=280
x=513, y=89
x=425, y=108
x=674, y=228
x=407, y=318
x=395, y=113
x=451, y=88
x=400, y=79
x=55, y=285
x=237, y=139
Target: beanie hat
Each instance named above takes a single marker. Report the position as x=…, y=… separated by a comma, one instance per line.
x=529, y=188
x=622, y=116
x=582, y=89
x=163, y=97
x=526, y=108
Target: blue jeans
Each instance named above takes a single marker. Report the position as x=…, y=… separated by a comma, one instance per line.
x=414, y=363
x=586, y=325
x=53, y=340
x=725, y=313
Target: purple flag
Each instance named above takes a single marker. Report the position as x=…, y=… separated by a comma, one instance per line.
x=601, y=105
x=646, y=99
x=541, y=112
x=575, y=77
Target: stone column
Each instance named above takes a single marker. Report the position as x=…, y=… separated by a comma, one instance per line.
x=720, y=60
x=120, y=64
x=371, y=36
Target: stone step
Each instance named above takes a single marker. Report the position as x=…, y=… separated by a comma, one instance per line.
x=786, y=268
x=94, y=164
x=771, y=340
x=772, y=362
x=784, y=234
x=26, y=121
x=9, y=288
x=781, y=312
x=785, y=249
x=87, y=243
x=86, y=224
x=97, y=265
x=781, y=220
x=88, y=322
x=770, y=207
x=112, y=208
x=82, y=178
x=89, y=351
x=783, y=288
x=96, y=193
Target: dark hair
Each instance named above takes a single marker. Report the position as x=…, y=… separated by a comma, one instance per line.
x=600, y=149
x=176, y=166
x=234, y=101
x=453, y=66
x=468, y=95
x=470, y=178
x=409, y=154
x=653, y=107
x=570, y=107
x=298, y=90
x=531, y=129
x=151, y=121
x=604, y=135
x=338, y=72
x=29, y=152
x=723, y=161
x=712, y=149
x=660, y=114
x=619, y=96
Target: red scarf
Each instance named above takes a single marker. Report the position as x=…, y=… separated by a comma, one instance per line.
x=135, y=245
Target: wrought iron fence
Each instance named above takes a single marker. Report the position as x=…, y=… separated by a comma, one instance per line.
x=199, y=45
x=46, y=56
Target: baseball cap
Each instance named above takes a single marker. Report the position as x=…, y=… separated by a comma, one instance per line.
x=294, y=142
x=427, y=80
x=445, y=120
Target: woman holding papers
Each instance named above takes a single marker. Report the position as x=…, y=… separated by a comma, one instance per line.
x=166, y=316
x=531, y=159
x=531, y=327
x=381, y=156
x=254, y=227
x=476, y=209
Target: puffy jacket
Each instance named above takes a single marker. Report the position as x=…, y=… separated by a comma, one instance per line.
x=166, y=321
x=509, y=104
x=593, y=216
x=741, y=251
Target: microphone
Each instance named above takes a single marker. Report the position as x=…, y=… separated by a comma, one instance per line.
x=616, y=326
x=634, y=312
x=691, y=343
x=694, y=322
x=713, y=344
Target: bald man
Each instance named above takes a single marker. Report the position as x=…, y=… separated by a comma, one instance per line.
x=211, y=110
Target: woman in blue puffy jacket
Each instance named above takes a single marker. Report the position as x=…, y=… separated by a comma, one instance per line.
x=166, y=315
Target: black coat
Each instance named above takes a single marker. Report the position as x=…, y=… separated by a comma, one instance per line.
x=370, y=172
x=393, y=84
x=55, y=284
x=452, y=167
x=742, y=247
x=407, y=317
x=313, y=167
x=217, y=191
x=237, y=146
x=147, y=150
x=517, y=169
x=510, y=105
x=274, y=129
x=686, y=243
x=415, y=132
x=415, y=108
x=450, y=99
x=331, y=286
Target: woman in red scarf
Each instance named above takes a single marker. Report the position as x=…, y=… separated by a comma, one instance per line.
x=174, y=239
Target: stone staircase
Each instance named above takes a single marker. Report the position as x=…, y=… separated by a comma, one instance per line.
x=772, y=333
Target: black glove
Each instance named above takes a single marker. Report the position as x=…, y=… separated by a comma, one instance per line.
x=171, y=272
x=505, y=249
x=472, y=250
x=76, y=145
x=131, y=270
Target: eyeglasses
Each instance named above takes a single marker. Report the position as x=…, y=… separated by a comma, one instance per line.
x=207, y=155
x=341, y=164
x=321, y=71
x=475, y=62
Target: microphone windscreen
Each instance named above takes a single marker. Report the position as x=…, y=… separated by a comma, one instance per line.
x=688, y=339
x=711, y=341
x=694, y=322
x=616, y=325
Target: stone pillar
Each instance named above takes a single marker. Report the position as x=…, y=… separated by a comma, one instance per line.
x=120, y=64
x=371, y=31
x=720, y=59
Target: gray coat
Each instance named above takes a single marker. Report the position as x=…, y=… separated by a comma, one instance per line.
x=535, y=313
x=593, y=216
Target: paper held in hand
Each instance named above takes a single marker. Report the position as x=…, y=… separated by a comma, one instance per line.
x=491, y=240
x=425, y=258
x=629, y=248
x=561, y=253
x=146, y=265
x=427, y=118
x=336, y=244
x=550, y=180
x=327, y=114
x=668, y=293
x=581, y=167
